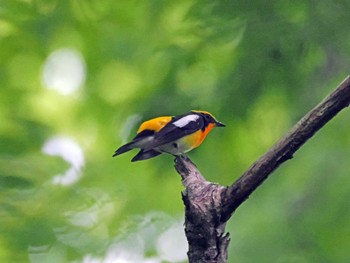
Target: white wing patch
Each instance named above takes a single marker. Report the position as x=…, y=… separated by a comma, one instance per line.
x=185, y=120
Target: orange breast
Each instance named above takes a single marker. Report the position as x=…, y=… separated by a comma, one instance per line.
x=198, y=137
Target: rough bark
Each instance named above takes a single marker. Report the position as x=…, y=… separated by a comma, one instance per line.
x=204, y=228
x=208, y=206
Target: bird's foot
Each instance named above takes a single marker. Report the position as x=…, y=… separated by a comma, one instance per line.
x=182, y=157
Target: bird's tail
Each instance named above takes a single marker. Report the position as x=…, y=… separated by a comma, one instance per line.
x=125, y=148
x=144, y=155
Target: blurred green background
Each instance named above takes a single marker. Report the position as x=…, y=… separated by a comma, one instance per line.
x=77, y=77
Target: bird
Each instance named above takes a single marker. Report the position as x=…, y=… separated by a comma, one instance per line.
x=175, y=135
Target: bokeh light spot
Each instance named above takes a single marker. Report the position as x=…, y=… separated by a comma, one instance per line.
x=71, y=152
x=64, y=71
x=172, y=244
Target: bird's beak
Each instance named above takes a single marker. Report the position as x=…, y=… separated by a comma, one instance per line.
x=219, y=124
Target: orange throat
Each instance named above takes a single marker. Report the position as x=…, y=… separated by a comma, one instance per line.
x=200, y=138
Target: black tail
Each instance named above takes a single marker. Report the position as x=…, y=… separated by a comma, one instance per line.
x=142, y=155
x=125, y=148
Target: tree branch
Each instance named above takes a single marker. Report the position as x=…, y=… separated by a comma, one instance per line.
x=284, y=149
x=208, y=206
x=205, y=231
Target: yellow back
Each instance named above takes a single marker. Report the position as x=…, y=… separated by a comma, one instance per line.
x=154, y=124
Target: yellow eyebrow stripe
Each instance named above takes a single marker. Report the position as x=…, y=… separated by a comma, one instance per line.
x=205, y=112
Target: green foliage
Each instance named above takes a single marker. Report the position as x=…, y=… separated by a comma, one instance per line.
x=258, y=68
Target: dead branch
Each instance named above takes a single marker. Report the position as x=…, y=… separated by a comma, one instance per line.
x=208, y=206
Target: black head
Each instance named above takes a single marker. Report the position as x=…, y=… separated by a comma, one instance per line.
x=209, y=118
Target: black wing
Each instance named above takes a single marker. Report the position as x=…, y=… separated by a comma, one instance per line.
x=131, y=145
x=172, y=132
x=142, y=155
x=142, y=135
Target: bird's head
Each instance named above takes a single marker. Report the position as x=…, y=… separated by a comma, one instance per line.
x=209, y=118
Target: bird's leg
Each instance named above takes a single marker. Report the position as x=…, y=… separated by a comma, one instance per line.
x=184, y=157
x=181, y=156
